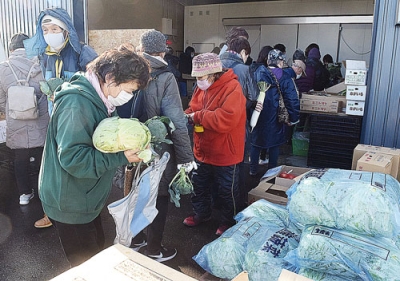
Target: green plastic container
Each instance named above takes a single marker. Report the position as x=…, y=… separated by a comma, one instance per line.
x=300, y=143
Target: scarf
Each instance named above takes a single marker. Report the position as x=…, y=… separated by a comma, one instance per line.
x=92, y=78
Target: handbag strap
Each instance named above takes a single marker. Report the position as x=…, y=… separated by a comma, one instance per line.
x=19, y=81
x=276, y=80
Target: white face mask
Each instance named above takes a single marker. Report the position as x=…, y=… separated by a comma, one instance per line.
x=203, y=84
x=55, y=40
x=298, y=76
x=122, y=98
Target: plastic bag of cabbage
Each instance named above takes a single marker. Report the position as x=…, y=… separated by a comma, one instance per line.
x=116, y=134
x=347, y=255
x=274, y=214
x=361, y=202
x=322, y=276
x=265, y=252
x=225, y=256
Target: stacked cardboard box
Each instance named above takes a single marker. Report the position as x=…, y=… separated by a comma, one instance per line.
x=273, y=188
x=356, y=80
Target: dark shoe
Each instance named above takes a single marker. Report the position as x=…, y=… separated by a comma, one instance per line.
x=195, y=220
x=164, y=254
x=221, y=229
x=137, y=246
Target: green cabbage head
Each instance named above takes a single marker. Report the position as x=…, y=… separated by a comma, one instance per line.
x=116, y=134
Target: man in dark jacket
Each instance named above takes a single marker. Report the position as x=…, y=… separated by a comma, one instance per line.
x=161, y=98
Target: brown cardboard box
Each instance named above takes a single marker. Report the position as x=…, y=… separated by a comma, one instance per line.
x=373, y=161
x=243, y=276
x=272, y=175
x=322, y=102
x=268, y=191
x=360, y=149
x=121, y=263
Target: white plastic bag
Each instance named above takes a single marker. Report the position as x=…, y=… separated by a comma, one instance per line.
x=137, y=210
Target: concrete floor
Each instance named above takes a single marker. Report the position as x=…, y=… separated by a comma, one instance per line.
x=27, y=253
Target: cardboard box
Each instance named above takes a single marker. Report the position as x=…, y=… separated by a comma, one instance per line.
x=273, y=188
x=360, y=149
x=271, y=176
x=290, y=276
x=356, y=72
x=373, y=161
x=3, y=128
x=123, y=264
x=354, y=107
x=354, y=92
x=322, y=102
x=243, y=276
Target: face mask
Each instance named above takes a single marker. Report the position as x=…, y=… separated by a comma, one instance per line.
x=203, y=84
x=122, y=98
x=55, y=40
x=298, y=76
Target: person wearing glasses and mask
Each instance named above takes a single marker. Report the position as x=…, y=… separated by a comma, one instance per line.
x=75, y=178
x=61, y=54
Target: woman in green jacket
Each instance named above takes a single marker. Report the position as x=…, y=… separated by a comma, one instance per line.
x=75, y=178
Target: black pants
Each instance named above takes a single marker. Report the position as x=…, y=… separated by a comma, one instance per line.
x=225, y=180
x=81, y=241
x=23, y=168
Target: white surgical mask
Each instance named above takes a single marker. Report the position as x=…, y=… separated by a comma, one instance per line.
x=55, y=40
x=122, y=98
x=298, y=76
x=203, y=84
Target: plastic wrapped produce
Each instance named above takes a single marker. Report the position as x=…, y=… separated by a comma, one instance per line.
x=265, y=252
x=346, y=255
x=274, y=214
x=361, y=202
x=322, y=276
x=224, y=257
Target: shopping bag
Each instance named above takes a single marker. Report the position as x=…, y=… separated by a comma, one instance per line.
x=137, y=210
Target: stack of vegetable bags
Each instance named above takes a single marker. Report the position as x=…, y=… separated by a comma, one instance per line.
x=352, y=221
x=257, y=243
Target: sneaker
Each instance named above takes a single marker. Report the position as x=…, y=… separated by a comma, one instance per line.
x=164, y=255
x=25, y=198
x=43, y=222
x=137, y=246
x=221, y=229
x=194, y=220
x=263, y=162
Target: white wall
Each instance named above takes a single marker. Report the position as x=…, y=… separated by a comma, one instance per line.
x=206, y=25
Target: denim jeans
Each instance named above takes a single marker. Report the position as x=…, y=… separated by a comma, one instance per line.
x=225, y=181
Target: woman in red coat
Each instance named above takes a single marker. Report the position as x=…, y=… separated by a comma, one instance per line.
x=218, y=112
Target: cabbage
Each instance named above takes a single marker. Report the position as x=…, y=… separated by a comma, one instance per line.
x=347, y=255
x=116, y=134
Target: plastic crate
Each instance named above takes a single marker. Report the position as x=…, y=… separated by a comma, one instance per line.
x=300, y=143
x=345, y=126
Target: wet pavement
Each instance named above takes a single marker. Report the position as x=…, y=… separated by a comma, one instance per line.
x=27, y=253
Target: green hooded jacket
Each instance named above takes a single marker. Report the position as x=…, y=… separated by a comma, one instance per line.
x=75, y=178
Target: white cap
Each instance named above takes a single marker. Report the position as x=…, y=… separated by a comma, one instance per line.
x=52, y=20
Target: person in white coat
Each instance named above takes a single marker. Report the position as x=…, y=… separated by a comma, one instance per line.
x=25, y=137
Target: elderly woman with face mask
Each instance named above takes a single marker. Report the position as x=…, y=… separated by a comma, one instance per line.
x=61, y=54
x=268, y=132
x=75, y=178
x=218, y=112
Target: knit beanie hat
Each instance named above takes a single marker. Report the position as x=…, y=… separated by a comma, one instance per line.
x=17, y=40
x=153, y=41
x=204, y=64
x=47, y=19
x=274, y=56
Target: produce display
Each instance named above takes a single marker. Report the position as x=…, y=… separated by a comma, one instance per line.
x=116, y=134
x=347, y=255
x=357, y=201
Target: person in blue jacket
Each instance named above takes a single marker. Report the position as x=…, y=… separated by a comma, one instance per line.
x=61, y=54
x=269, y=133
